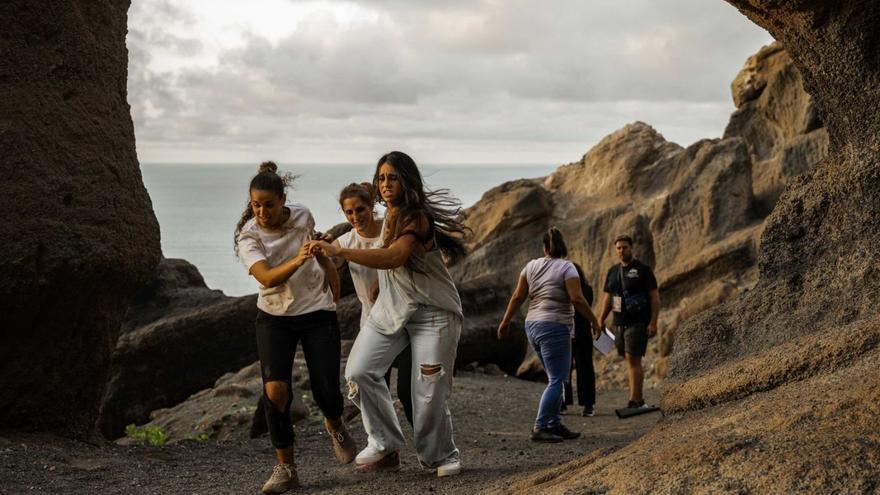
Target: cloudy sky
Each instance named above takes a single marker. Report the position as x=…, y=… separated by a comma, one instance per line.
x=452, y=82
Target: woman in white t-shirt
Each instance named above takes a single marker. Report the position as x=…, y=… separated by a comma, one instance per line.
x=552, y=285
x=358, y=204
x=296, y=303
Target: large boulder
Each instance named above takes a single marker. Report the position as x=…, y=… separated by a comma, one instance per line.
x=80, y=235
x=776, y=390
x=180, y=338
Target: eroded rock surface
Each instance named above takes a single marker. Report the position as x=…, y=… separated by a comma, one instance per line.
x=776, y=390
x=80, y=233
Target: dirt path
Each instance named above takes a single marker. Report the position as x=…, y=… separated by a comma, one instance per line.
x=492, y=417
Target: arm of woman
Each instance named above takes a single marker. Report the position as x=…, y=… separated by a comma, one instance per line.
x=573, y=288
x=331, y=276
x=273, y=276
x=516, y=301
x=338, y=261
x=388, y=258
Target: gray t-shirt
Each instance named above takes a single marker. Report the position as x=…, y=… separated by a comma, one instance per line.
x=548, y=299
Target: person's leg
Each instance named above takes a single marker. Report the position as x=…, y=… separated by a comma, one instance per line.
x=276, y=346
x=635, y=376
x=404, y=382
x=321, y=347
x=434, y=335
x=370, y=357
x=567, y=391
x=555, y=347
x=586, y=378
x=636, y=343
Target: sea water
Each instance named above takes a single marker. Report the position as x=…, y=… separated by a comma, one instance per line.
x=198, y=205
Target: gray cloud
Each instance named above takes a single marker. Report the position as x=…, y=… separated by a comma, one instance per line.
x=455, y=74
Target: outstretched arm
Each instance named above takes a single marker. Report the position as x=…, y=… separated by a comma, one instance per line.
x=388, y=258
x=516, y=301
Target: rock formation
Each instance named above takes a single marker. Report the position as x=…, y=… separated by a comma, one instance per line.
x=696, y=213
x=776, y=390
x=179, y=338
x=80, y=235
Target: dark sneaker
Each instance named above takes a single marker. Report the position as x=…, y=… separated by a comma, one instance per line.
x=545, y=435
x=562, y=431
x=283, y=478
x=589, y=412
x=388, y=462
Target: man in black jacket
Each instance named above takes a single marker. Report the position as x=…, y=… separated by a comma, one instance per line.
x=631, y=294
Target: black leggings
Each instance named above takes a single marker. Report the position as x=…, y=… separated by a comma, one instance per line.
x=582, y=354
x=277, y=337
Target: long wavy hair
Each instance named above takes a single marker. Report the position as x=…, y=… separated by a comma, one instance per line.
x=442, y=210
x=267, y=179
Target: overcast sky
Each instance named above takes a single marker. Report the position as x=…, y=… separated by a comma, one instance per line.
x=451, y=82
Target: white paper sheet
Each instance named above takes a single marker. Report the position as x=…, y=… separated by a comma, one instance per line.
x=605, y=342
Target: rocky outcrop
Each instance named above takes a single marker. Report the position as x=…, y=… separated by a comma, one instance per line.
x=80, y=234
x=776, y=390
x=180, y=338
x=696, y=213
x=782, y=128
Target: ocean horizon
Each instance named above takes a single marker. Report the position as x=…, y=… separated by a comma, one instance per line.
x=198, y=205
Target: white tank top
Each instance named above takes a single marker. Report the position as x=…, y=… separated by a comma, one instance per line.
x=402, y=291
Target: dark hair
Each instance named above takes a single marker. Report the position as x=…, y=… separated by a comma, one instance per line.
x=363, y=191
x=554, y=244
x=267, y=179
x=625, y=238
x=442, y=211
x=585, y=286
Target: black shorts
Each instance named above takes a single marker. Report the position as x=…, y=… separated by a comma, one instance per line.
x=632, y=339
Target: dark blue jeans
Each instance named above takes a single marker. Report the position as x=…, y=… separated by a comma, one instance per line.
x=552, y=343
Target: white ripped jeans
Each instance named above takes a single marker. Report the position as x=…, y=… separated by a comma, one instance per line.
x=433, y=334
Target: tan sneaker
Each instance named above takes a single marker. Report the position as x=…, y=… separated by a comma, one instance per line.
x=343, y=444
x=283, y=479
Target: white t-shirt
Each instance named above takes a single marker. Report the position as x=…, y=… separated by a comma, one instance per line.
x=362, y=276
x=304, y=292
x=548, y=299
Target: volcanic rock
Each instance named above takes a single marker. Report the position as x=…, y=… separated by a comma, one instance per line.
x=80, y=233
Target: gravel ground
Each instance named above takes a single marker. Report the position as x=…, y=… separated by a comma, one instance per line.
x=492, y=416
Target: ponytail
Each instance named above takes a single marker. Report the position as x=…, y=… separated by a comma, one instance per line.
x=554, y=243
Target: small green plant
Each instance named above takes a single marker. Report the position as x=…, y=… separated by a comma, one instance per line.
x=154, y=435
x=203, y=437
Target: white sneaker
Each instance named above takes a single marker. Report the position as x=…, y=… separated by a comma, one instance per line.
x=283, y=479
x=449, y=468
x=369, y=455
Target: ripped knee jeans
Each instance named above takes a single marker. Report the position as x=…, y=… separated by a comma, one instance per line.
x=433, y=335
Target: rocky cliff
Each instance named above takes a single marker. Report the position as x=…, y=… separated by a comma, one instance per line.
x=696, y=213
x=776, y=390
x=79, y=233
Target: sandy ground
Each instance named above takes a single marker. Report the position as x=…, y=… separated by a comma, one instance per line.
x=492, y=416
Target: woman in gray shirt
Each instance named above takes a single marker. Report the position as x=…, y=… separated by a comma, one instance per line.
x=553, y=287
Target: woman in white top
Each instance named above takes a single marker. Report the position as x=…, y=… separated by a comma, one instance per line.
x=418, y=305
x=296, y=303
x=553, y=286
x=358, y=204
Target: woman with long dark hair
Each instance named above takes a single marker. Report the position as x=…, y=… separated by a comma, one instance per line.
x=358, y=205
x=418, y=305
x=296, y=303
x=553, y=287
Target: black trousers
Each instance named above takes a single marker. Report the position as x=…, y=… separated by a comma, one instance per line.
x=277, y=338
x=582, y=355
x=403, y=363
